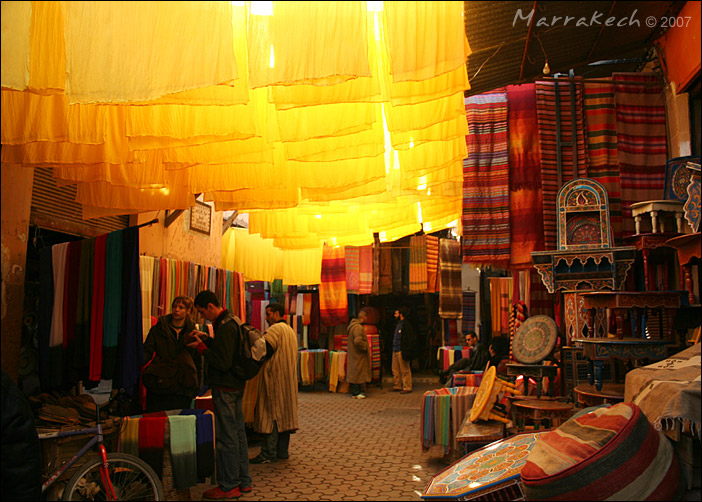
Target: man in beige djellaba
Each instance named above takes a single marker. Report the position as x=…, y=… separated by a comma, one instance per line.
x=276, y=407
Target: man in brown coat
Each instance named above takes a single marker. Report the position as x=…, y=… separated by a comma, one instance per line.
x=276, y=406
x=358, y=369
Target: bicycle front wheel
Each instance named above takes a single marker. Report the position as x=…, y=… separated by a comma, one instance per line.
x=132, y=479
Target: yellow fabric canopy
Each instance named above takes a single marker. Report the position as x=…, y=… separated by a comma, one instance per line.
x=327, y=121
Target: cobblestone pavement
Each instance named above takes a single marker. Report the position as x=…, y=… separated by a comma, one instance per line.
x=349, y=449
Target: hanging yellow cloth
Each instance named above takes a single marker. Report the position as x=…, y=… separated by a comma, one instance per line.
x=16, y=18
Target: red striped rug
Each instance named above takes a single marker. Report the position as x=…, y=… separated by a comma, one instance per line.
x=548, y=144
x=641, y=140
x=486, y=181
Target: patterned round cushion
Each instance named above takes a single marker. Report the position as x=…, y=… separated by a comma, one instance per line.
x=611, y=453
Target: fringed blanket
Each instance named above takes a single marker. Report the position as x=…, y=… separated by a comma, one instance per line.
x=418, y=264
x=450, y=275
x=602, y=149
x=641, y=140
x=572, y=129
x=486, y=181
x=525, y=206
x=332, y=290
x=468, y=311
x=669, y=392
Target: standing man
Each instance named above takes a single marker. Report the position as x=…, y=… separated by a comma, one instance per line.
x=227, y=390
x=402, y=352
x=276, y=406
x=358, y=362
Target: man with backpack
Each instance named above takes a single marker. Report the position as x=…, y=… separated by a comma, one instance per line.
x=276, y=407
x=221, y=354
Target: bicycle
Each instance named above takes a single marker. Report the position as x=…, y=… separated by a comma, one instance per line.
x=110, y=476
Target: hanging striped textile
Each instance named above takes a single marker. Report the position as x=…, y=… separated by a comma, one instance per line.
x=156, y=288
x=450, y=327
x=352, y=270
x=385, y=280
x=468, y=311
x=307, y=309
x=146, y=270
x=540, y=300
x=418, y=264
x=396, y=273
x=333, y=371
x=525, y=205
x=332, y=289
x=376, y=267
x=602, y=149
x=461, y=403
x=641, y=140
x=365, y=259
x=546, y=113
x=500, y=304
x=432, y=263
x=486, y=180
x=450, y=276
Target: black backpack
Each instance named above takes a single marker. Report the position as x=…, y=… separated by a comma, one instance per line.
x=253, y=351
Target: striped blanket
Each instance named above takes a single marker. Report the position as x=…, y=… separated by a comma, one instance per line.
x=500, y=304
x=468, y=311
x=486, y=181
x=432, y=263
x=641, y=141
x=669, y=392
x=418, y=264
x=365, y=258
x=450, y=276
x=572, y=130
x=332, y=290
x=352, y=270
x=443, y=411
x=525, y=205
x=602, y=149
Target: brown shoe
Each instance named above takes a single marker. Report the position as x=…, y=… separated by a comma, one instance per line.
x=396, y=390
x=406, y=391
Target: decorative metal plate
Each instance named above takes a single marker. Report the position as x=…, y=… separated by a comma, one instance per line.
x=535, y=339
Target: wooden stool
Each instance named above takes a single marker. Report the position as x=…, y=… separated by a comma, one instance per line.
x=588, y=395
x=479, y=434
x=537, y=410
x=486, y=397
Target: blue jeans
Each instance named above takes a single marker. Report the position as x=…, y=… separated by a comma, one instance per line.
x=230, y=436
x=276, y=444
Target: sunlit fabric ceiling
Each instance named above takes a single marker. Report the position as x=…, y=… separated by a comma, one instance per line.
x=327, y=121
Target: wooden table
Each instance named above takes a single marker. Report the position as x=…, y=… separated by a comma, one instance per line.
x=538, y=409
x=538, y=371
x=620, y=301
x=656, y=208
x=479, y=433
x=688, y=247
x=588, y=395
x=598, y=350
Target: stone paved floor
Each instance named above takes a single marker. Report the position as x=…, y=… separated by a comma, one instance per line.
x=348, y=449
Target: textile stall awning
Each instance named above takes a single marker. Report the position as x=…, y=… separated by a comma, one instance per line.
x=350, y=126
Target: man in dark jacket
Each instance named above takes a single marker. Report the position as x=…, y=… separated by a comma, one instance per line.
x=219, y=354
x=21, y=452
x=403, y=344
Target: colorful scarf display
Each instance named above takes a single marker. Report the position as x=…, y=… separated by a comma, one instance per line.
x=641, y=140
x=602, y=149
x=573, y=132
x=525, y=205
x=450, y=276
x=486, y=181
x=333, y=306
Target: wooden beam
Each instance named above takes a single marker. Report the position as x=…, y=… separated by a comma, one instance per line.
x=229, y=221
x=170, y=218
x=526, y=44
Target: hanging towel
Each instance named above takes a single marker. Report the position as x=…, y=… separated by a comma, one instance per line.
x=432, y=263
x=450, y=292
x=468, y=311
x=641, y=140
x=204, y=429
x=418, y=264
x=183, y=451
x=525, y=205
x=151, y=439
x=486, y=181
x=98, y=309
x=352, y=269
x=332, y=289
x=365, y=260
